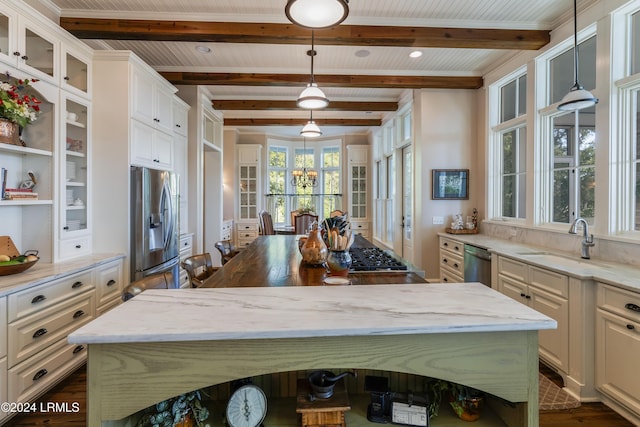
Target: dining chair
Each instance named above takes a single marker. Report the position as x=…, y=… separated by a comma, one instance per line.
x=266, y=223
x=303, y=222
x=198, y=268
x=336, y=213
x=153, y=281
x=227, y=250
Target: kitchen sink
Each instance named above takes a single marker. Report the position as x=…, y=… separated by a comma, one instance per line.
x=552, y=259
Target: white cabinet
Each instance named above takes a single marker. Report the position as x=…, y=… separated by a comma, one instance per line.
x=227, y=229
x=186, y=250
x=150, y=147
x=180, y=158
x=618, y=347
x=570, y=302
x=109, y=283
x=451, y=260
x=249, y=182
x=76, y=66
x=246, y=232
x=152, y=99
x=358, y=182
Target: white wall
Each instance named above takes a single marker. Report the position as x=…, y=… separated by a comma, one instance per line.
x=445, y=138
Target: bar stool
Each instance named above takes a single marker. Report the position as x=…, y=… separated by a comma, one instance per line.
x=154, y=281
x=198, y=268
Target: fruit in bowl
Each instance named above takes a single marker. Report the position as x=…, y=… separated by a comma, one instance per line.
x=17, y=264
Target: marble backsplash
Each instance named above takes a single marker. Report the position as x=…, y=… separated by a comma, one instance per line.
x=604, y=249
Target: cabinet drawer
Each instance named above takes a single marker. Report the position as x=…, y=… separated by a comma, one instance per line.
x=186, y=244
x=449, y=276
x=452, y=245
x=75, y=247
x=247, y=235
x=34, y=333
x=29, y=301
x=3, y=328
x=360, y=226
x=512, y=268
x=619, y=301
x=247, y=227
x=32, y=377
x=109, y=282
x=550, y=281
x=452, y=261
x=4, y=392
x=108, y=306
x=243, y=243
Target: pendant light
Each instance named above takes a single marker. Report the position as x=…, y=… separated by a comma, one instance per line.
x=577, y=98
x=311, y=129
x=312, y=98
x=317, y=13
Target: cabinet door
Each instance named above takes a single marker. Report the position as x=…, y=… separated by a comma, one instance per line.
x=618, y=347
x=141, y=144
x=38, y=51
x=8, y=38
x=162, y=152
x=76, y=71
x=554, y=343
x=163, y=106
x=142, y=97
x=513, y=289
x=248, y=192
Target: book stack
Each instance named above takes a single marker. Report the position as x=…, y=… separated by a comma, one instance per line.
x=3, y=182
x=20, y=194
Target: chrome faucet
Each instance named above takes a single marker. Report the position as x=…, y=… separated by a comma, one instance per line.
x=587, y=240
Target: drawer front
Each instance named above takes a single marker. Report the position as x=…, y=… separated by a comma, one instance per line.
x=243, y=243
x=619, y=301
x=452, y=245
x=449, y=276
x=246, y=235
x=109, y=282
x=74, y=248
x=186, y=243
x=247, y=227
x=512, y=268
x=31, y=300
x=39, y=373
x=31, y=334
x=4, y=391
x=452, y=261
x=108, y=306
x=550, y=281
x=360, y=226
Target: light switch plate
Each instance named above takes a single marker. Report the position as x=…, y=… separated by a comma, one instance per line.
x=438, y=220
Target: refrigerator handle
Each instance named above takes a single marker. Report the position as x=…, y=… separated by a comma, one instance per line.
x=167, y=208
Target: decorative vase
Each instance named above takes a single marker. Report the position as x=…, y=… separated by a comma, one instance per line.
x=339, y=262
x=314, y=251
x=468, y=407
x=9, y=132
x=187, y=420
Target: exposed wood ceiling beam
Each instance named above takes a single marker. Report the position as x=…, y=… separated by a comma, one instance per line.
x=329, y=80
x=301, y=122
x=291, y=105
x=343, y=35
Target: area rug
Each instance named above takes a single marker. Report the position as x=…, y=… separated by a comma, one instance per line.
x=551, y=397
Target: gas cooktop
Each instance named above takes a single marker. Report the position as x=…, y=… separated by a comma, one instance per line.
x=373, y=259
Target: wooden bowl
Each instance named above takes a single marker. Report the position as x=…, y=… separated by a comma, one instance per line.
x=6, y=270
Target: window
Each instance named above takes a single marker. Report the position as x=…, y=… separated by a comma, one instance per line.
x=635, y=43
x=513, y=172
x=561, y=77
x=636, y=160
x=510, y=148
x=330, y=179
x=277, y=182
x=573, y=170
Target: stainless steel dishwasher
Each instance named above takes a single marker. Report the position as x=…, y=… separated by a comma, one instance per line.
x=477, y=265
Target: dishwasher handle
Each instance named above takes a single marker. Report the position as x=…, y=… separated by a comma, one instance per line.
x=478, y=252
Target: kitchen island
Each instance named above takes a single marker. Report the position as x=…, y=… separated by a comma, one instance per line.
x=276, y=261
x=166, y=342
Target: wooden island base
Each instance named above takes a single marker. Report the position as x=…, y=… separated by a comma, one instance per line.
x=322, y=412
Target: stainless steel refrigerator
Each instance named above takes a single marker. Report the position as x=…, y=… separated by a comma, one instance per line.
x=154, y=223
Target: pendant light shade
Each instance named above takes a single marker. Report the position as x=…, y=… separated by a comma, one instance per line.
x=311, y=129
x=577, y=98
x=312, y=98
x=317, y=13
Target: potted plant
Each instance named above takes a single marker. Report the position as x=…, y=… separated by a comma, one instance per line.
x=17, y=108
x=465, y=401
x=185, y=410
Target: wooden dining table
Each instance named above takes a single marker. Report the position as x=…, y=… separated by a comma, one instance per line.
x=275, y=260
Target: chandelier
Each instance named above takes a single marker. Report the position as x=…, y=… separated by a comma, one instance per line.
x=317, y=13
x=303, y=177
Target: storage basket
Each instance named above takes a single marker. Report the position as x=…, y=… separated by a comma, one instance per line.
x=8, y=248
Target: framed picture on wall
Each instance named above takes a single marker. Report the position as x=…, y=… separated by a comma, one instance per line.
x=450, y=184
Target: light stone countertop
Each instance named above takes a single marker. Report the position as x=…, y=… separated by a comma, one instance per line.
x=43, y=272
x=624, y=276
x=302, y=312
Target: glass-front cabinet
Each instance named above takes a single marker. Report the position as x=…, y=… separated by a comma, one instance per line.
x=248, y=181
x=74, y=167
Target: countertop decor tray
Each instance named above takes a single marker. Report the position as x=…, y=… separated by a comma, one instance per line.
x=8, y=248
x=463, y=231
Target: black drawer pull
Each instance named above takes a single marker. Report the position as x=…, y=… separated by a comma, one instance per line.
x=445, y=280
x=41, y=373
x=445, y=244
x=65, y=228
x=40, y=332
x=528, y=297
x=523, y=295
x=456, y=248
x=38, y=299
x=78, y=246
x=632, y=307
x=66, y=78
x=630, y=327
x=111, y=282
x=78, y=349
x=78, y=313
x=16, y=53
x=77, y=285
x=455, y=265
x=25, y=57
x=445, y=260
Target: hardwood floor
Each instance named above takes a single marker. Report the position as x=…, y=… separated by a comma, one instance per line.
x=73, y=389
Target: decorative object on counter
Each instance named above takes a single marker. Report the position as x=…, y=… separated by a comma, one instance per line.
x=247, y=405
x=323, y=382
x=457, y=223
x=183, y=410
x=474, y=218
x=339, y=262
x=3, y=182
x=11, y=261
x=450, y=184
x=465, y=401
x=314, y=251
x=18, y=108
x=459, y=227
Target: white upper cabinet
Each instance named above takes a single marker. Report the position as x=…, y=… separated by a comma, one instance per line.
x=76, y=70
x=152, y=101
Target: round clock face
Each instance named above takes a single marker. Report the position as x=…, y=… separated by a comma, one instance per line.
x=247, y=407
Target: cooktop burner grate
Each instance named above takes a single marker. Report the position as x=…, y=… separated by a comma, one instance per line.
x=373, y=259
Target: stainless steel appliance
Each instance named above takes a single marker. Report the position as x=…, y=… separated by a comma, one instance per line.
x=154, y=223
x=477, y=265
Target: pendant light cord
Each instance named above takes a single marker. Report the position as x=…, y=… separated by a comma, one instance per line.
x=575, y=45
x=312, y=53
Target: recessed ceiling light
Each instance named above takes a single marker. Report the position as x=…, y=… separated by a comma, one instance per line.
x=362, y=53
x=203, y=49
x=415, y=54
